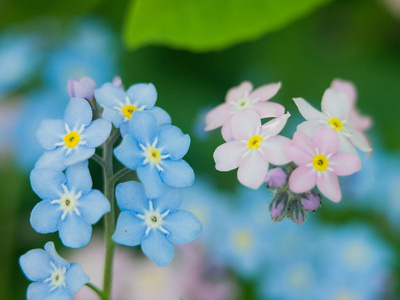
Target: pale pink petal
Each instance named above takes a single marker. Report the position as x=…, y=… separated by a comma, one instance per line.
x=227, y=132
x=307, y=111
x=326, y=140
x=359, y=121
x=269, y=109
x=359, y=140
x=347, y=87
x=336, y=104
x=274, y=126
x=302, y=179
x=274, y=150
x=345, y=145
x=344, y=163
x=328, y=184
x=238, y=92
x=244, y=124
x=228, y=156
x=297, y=154
x=218, y=116
x=304, y=142
x=252, y=170
x=265, y=92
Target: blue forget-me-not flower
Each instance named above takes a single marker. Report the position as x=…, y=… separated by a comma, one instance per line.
x=156, y=154
x=73, y=139
x=153, y=223
x=54, y=278
x=69, y=206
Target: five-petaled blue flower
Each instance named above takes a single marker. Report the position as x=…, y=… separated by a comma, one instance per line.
x=156, y=154
x=73, y=139
x=119, y=106
x=54, y=278
x=69, y=206
x=153, y=223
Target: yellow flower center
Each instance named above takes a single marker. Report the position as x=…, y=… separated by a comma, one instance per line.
x=154, y=155
x=255, y=142
x=71, y=139
x=128, y=110
x=243, y=239
x=320, y=162
x=336, y=124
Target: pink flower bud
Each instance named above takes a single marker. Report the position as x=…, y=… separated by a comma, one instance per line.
x=276, y=178
x=117, y=81
x=278, y=206
x=311, y=201
x=81, y=88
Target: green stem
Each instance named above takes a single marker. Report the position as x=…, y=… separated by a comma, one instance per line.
x=96, y=290
x=120, y=174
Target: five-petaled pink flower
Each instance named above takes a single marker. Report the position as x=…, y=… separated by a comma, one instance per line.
x=319, y=163
x=253, y=148
x=241, y=98
x=336, y=108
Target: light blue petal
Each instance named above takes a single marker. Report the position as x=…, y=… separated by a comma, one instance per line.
x=74, y=232
x=150, y=177
x=38, y=291
x=93, y=206
x=128, y=153
x=183, y=227
x=75, y=278
x=96, y=133
x=59, y=294
x=45, y=217
x=130, y=229
x=131, y=196
x=173, y=141
x=113, y=115
x=36, y=264
x=162, y=117
x=142, y=94
x=124, y=127
x=110, y=95
x=177, y=173
x=143, y=127
x=47, y=183
x=78, y=178
x=50, y=132
x=59, y=262
x=78, y=113
x=157, y=247
x=78, y=154
x=170, y=199
x=54, y=159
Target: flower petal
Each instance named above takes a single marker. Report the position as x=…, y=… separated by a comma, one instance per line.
x=45, y=217
x=54, y=159
x=238, y=92
x=252, y=170
x=131, y=196
x=301, y=150
x=310, y=127
x=47, y=183
x=41, y=290
x=93, y=206
x=170, y=199
x=58, y=261
x=128, y=152
x=183, y=227
x=177, y=173
x=302, y=179
x=172, y=141
x=157, y=247
x=162, y=117
x=78, y=113
x=346, y=87
x=50, y=132
x=78, y=177
x=36, y=264
x=75, y=278
x=274, y=126
x=345, y=145
x=218, y=116
x=113, y=115
x=360, y=141
x=97, y=133
x=78, y=154
x=274, y=150
x=265, y=92
x=229, y=155
x=110, y=95
x=143, y=127
x=130, y=229
x=58, y=294
x=143, y=94
x=151, y=179
x=360, y=122
x=124, y=128
x=226, y=132
x=336, y=104
x=244, y=124
x=74, y=232
x=269, y=109
x=326, y=140
x=307, y=111
x=345, y=163
x=328, y=184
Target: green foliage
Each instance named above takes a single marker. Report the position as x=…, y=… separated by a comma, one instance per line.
x=208, y=25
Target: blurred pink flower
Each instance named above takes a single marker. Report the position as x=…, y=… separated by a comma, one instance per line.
x=242, y=98
x=253, y=148
x=336, y=108
x=319, y=163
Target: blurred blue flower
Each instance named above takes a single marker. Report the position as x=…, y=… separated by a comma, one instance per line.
x=156, y=154
x=70, y=206
x=73, y=139
x=54, y=278
x=153, y=223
